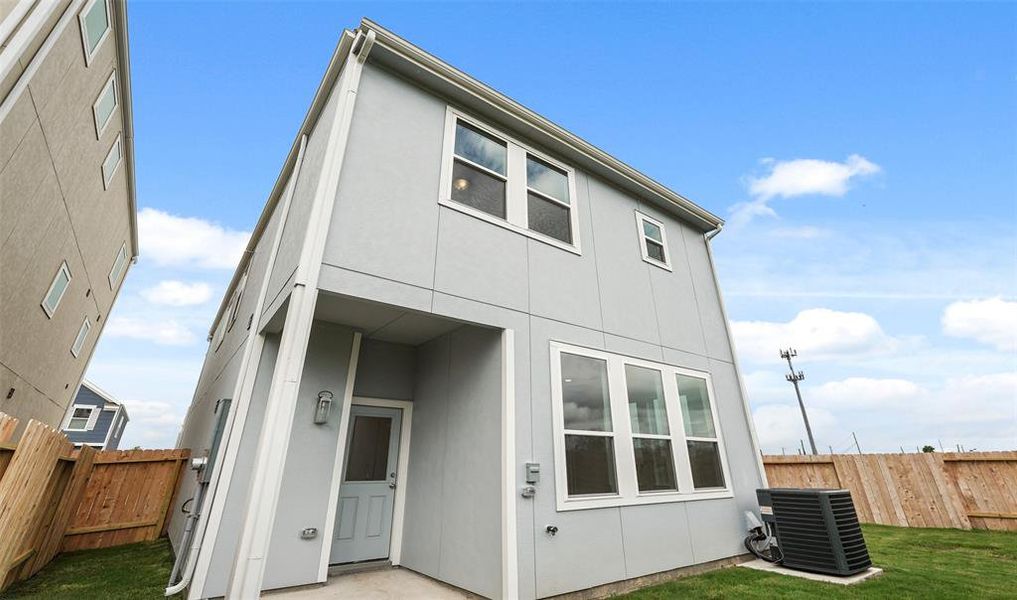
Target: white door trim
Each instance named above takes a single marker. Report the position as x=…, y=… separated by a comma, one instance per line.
x=509, y=540
x=402, y=468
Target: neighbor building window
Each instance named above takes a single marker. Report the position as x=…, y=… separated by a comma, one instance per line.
x=79, y=340
x=491, y=176
x=119, y=264
x=81, y=418
x=653, y=241
x=105, y=105
x=95, y=27
x=631, y=431
x=56, y=291
x=113, y=159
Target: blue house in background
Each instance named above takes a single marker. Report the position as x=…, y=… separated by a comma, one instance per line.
x=95, y=419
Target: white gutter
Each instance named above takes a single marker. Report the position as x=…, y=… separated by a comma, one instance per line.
x=124, y=71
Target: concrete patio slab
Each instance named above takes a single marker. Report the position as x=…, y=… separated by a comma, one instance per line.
x=762, y=565
x=379, y=584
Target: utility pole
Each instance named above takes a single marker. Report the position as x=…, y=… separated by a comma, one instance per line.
x=794, y=378
x=857, y=447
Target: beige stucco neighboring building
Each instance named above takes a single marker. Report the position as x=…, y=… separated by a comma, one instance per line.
x=68, y=232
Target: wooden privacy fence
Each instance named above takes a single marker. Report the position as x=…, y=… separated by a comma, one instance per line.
x=958, y=490
x=55, y=498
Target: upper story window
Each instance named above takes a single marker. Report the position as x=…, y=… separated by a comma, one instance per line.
x=79, y=340
x=629, y=431
x=234, y=308
x=113, y=159
x=119, y=264
x=82, y=419
x=105, y=105
x=491, y=176
x=56, y=291
x=95, y=27
x=653, y=241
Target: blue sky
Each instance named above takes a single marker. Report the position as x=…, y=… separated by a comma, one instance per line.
x=864, y=155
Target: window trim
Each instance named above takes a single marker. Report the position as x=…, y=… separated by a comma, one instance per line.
x=79, y=340
x=52, y=311
x=234, y=308
x=624, y=454
x=101, y=128
x=516, y=186
x=644, y=248
x=70, y=417
x=108, y=178
x=84, y=29
x=115, y=272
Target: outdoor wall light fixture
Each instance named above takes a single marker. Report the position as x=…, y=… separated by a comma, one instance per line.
x=323, y=408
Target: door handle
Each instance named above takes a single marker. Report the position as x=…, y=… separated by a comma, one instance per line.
x=392, y=480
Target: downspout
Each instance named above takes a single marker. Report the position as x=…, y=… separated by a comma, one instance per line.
x=734, y=357
x=245, y=384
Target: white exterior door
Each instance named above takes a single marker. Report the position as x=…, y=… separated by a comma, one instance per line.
x=363, y=529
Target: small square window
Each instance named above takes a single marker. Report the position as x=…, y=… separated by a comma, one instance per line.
x=80, y=417
x=79, y=341
x=653, y=241
x=105, y=105
x=56, y=290
x=95, y=27
x=113, y=159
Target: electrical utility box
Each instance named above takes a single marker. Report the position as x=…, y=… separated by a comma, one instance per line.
x=816, y=530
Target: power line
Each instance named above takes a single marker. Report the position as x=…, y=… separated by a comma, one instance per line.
x=794, y=378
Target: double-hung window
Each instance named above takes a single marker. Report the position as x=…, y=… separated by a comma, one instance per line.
x=238, y=295
x=95, y=27
x=112, y=162
x=105, y=105
x=82, y=418
x=119, y=264
x=491, y=176
x=56, y=291
x=652, y=241
x=630, y=431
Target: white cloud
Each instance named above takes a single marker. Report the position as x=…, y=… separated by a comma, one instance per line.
x=992, y=322
x=856, y=393
x=805, y=176
x=171, y=240
x=805, y=232
x=799, y=177
x=178, y=293
x=168, y=333
x=820, y=333
x=781, y=426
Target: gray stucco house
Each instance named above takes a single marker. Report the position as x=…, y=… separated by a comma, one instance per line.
x=95, y=419
x=466, y=342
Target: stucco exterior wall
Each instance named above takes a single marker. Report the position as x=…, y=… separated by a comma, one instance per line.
x=54, y=208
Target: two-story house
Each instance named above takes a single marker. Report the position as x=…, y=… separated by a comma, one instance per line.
x=95, y=419
x=465, y=342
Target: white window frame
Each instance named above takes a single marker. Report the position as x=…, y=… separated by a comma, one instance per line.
x=119, y=266
x=66, y=271
x=643, y=246
x=110, y=87
x=220, y=333
x=81, y=338
x=238, y=295
x=108, y=177
x=91, y=419
x=84, y=29
x=516, y=186
x=624, y=453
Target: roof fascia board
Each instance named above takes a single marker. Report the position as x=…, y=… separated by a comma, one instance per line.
x=124, y=69
x=518, y=113
x=335, y=65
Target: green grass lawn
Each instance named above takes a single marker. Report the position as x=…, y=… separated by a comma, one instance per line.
x=135, y=571
x=919, y=563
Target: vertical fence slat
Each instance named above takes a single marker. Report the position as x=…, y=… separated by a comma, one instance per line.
x=957, y=490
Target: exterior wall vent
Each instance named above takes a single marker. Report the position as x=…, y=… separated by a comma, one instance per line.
x=816, y=530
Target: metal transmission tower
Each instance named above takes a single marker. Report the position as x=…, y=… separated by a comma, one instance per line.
x=794, y=378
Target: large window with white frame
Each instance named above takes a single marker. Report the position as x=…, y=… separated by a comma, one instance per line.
x=490, y=175
x=82, y=418
x=119, y=264
x=105, y=105
x=94, y=21
x=653, y=241
x=57, y=289
x=630, y=431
